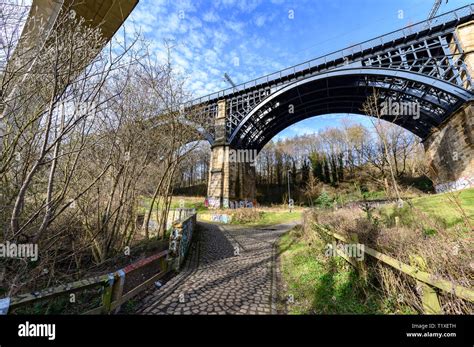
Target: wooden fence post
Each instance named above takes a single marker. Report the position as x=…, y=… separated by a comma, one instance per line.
x=429, y=297
x=360, y=263
x=117, y=288
x=163, y=263
x=107, y=294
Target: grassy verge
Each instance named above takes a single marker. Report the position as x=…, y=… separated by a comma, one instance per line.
x=448, y=210
x=255, y=217
x=435, y=228
x=324, y=285
x=277, y=217
x=442, y=206
x=196, y=202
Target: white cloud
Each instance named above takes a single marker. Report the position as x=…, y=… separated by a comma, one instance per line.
x=260, y=20
x=207, y=37
x=248, y=6
x=211, y=17
x=237, y=27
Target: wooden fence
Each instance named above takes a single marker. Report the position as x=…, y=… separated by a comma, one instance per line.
x=113, y=284
x=112, y=287
x=417, y=270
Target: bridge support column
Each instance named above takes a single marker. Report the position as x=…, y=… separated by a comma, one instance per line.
x=232, y=175
x=465, y=37
x=450, y=149
x=450, y=152
x=218, y=186
x=231, y=181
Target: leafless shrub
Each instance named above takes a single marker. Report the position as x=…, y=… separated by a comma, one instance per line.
x=447, y=255
x=86, y=133
x=246, y=215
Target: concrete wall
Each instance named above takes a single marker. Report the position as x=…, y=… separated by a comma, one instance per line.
x=180, y=241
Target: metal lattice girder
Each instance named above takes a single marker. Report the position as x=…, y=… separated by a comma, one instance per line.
x=429, y=52
x=345, y=91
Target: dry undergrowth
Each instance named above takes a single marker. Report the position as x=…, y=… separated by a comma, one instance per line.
x=246, y=215
x=447, y=253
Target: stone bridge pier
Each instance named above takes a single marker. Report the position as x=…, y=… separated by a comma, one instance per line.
x=431, y=64
x=232, y=175
x=230, y=182
x=450, y=146
x=450, y=151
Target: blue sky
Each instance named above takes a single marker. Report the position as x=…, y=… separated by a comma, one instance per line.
x=250, y=38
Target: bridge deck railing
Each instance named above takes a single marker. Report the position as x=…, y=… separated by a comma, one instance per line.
x=439, y=21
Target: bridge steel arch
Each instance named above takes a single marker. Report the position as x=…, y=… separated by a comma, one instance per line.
x=345, y=91
x=430, y=63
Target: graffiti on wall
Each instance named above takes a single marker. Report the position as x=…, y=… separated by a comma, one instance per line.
x=462, y=183
x=221, y=218
x=241, y=204
x=211, y=202
x=180, y=239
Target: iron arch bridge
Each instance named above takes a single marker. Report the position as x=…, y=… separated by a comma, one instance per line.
x=345, y=91
x=425, y=63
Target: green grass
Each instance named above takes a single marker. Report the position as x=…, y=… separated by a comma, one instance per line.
x=196, y=202
x=268, y=217
x=324, y=285
x=441, y=206
x=278, y=217
x=438, y=207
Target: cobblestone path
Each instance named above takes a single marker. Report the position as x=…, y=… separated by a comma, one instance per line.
x=230, y=270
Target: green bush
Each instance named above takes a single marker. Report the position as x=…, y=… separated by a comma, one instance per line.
x=324, y=201
x=405, y=215
x=429, y=231
x=373, y=195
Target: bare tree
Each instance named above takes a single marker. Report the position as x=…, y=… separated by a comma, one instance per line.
x=372, y=108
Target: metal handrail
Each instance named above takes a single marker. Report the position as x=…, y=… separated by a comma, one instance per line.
x=98, y=281
x=456, y=14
